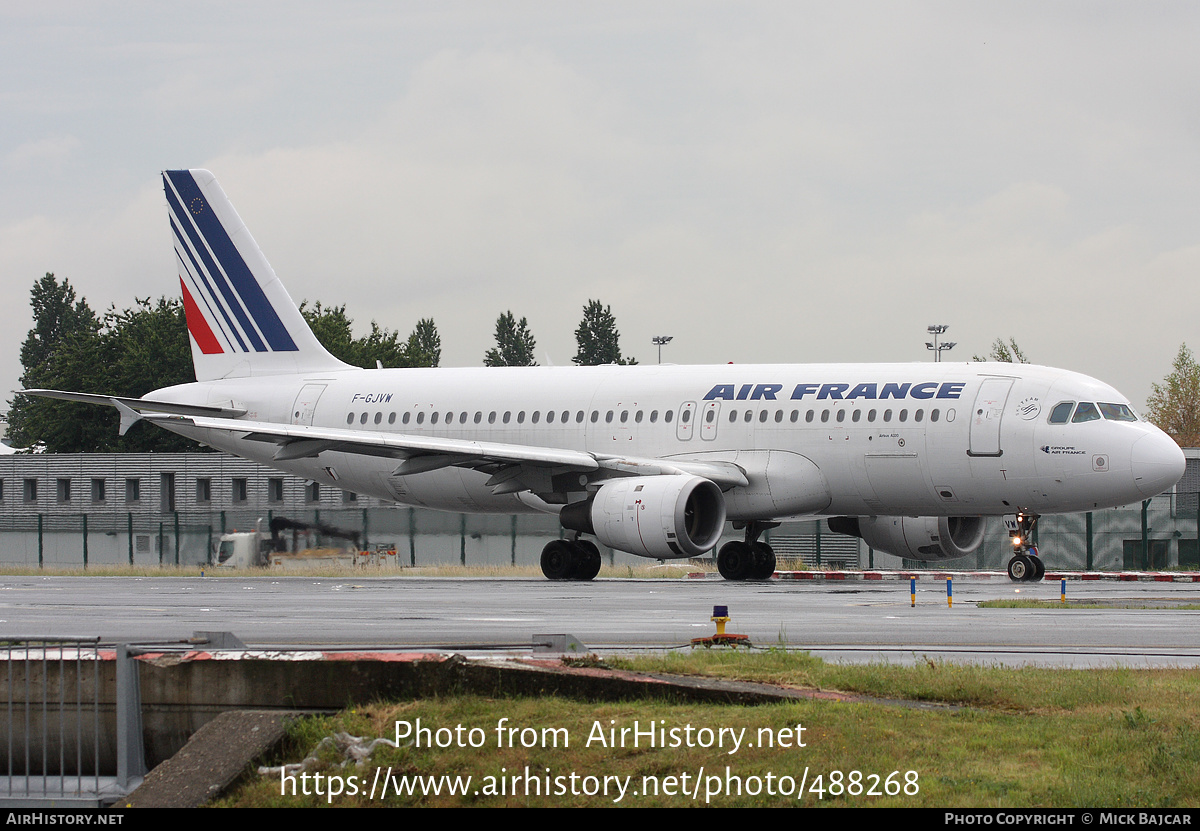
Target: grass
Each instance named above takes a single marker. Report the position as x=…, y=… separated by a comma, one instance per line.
x=1120, y=603
x=1015, y=738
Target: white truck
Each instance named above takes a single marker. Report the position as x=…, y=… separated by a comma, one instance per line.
x=302, y=546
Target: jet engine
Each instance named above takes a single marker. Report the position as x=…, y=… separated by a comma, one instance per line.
x=665, y=517
x=927, y=538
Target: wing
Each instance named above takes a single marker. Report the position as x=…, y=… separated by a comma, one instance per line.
x=513, y=467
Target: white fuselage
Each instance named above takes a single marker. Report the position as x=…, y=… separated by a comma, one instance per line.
x=930, y=439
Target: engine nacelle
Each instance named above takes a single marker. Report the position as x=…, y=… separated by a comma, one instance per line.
x=927, y=538
x=665, y=517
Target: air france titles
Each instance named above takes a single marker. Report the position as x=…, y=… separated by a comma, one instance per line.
x=838, y=392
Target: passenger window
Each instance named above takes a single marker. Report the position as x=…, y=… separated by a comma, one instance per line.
x=1086, y=411
x=762, y=416
x=841, y=416
x=887, y=415
x=667, y=416
x=857, y=416
x=521, y=417
x=933, y=415
x=779, y=416
x=492, y=417
x=536, y=415
x=391, y=418
x=686, y=416
x=549, y=416
x=808, y=417
x=795, y=416
x=824, y=416
x=653, y=416
x=709, y=416
x=378, y=418
x=870, y=415
x=595, y=416
x=420, y=418
x=732, y=416
x=350, y=418
x=749, y=415
x=404, y=418
x=1061, y=413
x=462, y=417
x=433, y=417
x=507, y=416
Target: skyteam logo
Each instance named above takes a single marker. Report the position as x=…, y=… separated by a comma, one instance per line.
x=225, y=305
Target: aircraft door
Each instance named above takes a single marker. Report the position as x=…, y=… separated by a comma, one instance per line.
x=986, y=416
x=710, y=418
x=684, y=419
x=306, y=404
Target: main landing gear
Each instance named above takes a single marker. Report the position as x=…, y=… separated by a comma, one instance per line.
x=749, y=560
x=570, y=560
x=1025, y=566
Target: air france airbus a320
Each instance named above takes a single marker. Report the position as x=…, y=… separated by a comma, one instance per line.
x=652, y=460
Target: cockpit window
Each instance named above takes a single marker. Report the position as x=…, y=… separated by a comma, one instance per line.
x=1086, y=411
x=1061, y=413
x=1117, y=412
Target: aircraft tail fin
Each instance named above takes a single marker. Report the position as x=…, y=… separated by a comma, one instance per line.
x=241, y=320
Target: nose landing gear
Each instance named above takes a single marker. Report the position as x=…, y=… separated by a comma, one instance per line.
x=1026, y=565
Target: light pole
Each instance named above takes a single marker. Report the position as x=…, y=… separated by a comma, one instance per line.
x=938, y=348
x=660, y=341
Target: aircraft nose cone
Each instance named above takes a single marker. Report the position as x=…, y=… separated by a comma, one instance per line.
x=1157, y=463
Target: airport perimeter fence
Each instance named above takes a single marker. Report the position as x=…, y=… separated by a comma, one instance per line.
x=1160, y=533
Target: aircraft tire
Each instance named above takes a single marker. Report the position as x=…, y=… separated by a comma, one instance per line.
x=735, y=561
x=764, y=561
x=589, y=560
x=1020, y=568
x=559, y=560
x=1039, y=570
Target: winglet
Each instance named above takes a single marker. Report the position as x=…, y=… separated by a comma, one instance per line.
x=129, y=416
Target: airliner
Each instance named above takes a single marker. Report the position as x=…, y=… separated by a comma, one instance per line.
x=651, y=460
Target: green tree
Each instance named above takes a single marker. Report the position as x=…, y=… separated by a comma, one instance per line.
x=598, y=338
x=1174, y=405
x=128, y=353
x=60, y=352
x=424, y=346
x=334, y=329
x=1002, y=352
x=144, y=348
x=514, y=343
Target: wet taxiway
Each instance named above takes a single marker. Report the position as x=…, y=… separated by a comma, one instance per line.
x=851, y=621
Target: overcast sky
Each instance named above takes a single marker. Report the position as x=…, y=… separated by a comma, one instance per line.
x=766, y=182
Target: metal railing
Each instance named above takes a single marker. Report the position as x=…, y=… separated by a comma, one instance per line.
x=72, y=727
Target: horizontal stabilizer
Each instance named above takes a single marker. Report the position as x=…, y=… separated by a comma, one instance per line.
x=137, y=405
